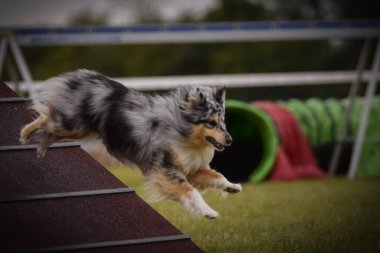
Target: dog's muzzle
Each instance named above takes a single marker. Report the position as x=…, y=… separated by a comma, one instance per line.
x=219, y=146
x=228, y=139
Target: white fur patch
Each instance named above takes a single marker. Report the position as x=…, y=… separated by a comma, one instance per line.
x=194, y=204
x=193, y=159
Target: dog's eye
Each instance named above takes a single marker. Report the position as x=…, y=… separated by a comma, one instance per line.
x=211, y=124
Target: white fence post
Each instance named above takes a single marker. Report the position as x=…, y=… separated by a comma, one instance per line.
x=371, y=89
x=20, y=61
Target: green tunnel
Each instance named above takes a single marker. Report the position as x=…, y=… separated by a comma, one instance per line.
x=254, y=151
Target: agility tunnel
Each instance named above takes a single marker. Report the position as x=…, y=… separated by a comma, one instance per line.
x=294, y=139
x=253, y=152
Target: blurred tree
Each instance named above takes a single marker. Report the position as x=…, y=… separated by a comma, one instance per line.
x=238, y=10
x=151, y=60
x=147, y=11
x=88, y=17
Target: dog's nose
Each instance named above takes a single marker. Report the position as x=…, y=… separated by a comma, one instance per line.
x=228, y=140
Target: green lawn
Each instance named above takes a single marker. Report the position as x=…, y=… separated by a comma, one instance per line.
x=331, y=215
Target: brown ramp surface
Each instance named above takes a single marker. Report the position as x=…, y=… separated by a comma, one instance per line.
x=67, y=201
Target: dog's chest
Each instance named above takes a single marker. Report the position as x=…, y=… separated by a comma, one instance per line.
x=191, y=159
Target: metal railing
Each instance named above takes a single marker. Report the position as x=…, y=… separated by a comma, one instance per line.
x=217, y=33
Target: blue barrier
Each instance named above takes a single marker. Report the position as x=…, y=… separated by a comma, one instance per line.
x=192, y=27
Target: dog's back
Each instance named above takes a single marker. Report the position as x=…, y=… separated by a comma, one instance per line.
x=133, y=126
x=78, y=101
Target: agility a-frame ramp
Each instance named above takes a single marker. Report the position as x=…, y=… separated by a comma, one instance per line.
x=67, y=201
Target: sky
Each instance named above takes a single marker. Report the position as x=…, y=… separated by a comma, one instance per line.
x=119, y=12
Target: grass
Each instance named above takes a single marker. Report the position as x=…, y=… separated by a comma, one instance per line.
x=330, y=215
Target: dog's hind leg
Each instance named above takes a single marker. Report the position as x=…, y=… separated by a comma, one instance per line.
x=209, y=178
x=172, y=185
x=46, y=140
x=28, y=130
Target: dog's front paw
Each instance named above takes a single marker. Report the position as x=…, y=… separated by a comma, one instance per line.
x=210, y=214
x=234, y=188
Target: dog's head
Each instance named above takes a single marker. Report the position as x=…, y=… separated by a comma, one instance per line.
x=203, y=107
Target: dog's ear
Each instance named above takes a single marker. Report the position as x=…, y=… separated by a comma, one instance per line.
x=191, y=96
x=220, y=94
x=195, y=96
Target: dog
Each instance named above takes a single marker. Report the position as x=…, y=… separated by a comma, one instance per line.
x=171, y=138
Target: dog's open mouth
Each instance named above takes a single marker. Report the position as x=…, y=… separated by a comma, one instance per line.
x=218, y=146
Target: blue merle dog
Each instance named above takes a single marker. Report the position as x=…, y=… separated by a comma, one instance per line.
x=171, y=138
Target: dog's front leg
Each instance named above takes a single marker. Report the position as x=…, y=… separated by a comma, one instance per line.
x=172, y=184
x=209, y=178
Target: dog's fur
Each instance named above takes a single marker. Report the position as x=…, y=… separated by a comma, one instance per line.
x=171, y=138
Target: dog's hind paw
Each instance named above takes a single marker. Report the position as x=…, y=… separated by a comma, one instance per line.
x=24, y=140
x=234, y=188
x=41, y=151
